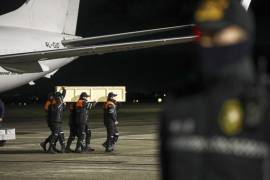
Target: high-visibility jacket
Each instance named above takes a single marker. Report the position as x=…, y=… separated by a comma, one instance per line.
x=82, y=111
x=110, y=111
x=48, y=103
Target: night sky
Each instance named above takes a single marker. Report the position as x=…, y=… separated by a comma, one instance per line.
x=148, y=70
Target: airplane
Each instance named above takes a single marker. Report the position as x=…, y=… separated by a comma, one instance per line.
x=39, y=38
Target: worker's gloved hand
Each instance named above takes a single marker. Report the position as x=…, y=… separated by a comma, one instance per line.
x=116, y=122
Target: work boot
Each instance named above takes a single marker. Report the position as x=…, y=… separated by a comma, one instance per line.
x=68, y=150
x=78, y=150
x=52, y=147
x=62, y=148
x=43, y=145
x=109, y=147
x=51, y=150
x=89, y=149
x=87, y=145
x=79, y=147
x=105, y=144
x=115, y=139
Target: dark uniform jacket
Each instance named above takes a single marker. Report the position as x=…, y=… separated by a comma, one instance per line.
x=82, y=111
x=72, y=117
x=48, y=110
x=49, y=107
x=219, y=134
x=56, y=115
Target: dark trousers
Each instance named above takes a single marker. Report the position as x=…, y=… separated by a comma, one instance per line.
x=88, y=135
x=57, y=135
x=72, y=135
x=110, y=128
x=115, y=133
x=48, y=139
x=84, y=136
x=81, y=133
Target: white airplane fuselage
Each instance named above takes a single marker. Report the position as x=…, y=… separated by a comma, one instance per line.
x=42, y=25
x=19, y=40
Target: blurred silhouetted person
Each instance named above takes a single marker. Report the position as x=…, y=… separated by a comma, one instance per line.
x=221, y=131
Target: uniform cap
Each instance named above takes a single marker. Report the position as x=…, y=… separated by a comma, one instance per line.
x=84, y=94
x=111, y=94
x=57, y=95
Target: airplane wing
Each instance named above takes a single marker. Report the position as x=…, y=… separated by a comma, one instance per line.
x=114, y=37
x=22, y=62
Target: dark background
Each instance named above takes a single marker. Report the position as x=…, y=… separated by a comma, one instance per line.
x=144, y=72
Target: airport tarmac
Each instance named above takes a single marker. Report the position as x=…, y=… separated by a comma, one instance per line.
x=135, y=157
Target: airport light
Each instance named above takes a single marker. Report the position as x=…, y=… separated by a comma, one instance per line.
x=135, y=101
x=159, y=100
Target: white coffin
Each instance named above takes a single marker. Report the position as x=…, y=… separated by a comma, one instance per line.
x=97, y=93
